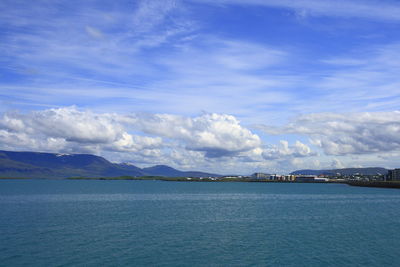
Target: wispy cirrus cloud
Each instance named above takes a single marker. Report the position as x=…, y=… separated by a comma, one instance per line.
x=206, y=69
x=147, y=61
x=87, y=41
x=387, y=11
x=367, y=79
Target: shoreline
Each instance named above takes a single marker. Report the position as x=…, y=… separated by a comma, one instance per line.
x=186, y=179
x=376, y=184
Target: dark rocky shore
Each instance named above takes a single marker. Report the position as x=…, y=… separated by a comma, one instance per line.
x=382, y=184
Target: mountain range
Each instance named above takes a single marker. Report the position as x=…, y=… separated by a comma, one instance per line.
x=58, y=166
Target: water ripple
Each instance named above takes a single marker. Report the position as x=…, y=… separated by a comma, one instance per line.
x=194, y=197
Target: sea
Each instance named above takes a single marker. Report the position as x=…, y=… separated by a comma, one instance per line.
x=160, y=223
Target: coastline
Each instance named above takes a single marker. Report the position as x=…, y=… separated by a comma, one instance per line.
x=379, y=184
x=376, y=184
x=186, y=179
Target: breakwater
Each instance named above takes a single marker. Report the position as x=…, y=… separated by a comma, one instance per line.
x=382, y=184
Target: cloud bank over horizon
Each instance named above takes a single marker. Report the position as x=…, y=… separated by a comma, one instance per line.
x=202, y=141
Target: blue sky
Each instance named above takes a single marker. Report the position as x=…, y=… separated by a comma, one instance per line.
x=228, y=86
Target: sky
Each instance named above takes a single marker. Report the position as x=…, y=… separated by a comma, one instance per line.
x=224, y=86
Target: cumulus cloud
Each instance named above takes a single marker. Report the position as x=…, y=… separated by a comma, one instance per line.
x=211, y=142
x=348, y=133
x=283, y=150
x=69, y=129
x=19, y=140
x=212, y=135
x=215, y=134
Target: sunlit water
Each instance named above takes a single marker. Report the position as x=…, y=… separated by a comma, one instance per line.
x=154, y=223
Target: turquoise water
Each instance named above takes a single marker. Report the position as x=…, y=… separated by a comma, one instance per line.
x=155, y=223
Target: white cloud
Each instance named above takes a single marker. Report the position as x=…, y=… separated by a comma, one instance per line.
x=10, y=140
x=62, y=129
x=70, y=129
x=211, y=142
x=348, y=133
x=283, y=150
x=215, y=134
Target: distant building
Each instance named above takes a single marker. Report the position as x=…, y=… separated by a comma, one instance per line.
x=232, y=176
x=305, y=178
x=260, y=175
x=321, y=179
x=274, y=177
x=393, y=175
x=290, y=177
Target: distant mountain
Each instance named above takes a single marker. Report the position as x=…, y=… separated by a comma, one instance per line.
x=164, y=170
x=346, y=171
x=51, y=165
x=313, y=172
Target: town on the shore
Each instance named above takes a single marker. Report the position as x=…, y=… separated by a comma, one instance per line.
x=392, y=175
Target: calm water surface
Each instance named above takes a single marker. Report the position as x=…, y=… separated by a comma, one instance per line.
x=155, y=223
